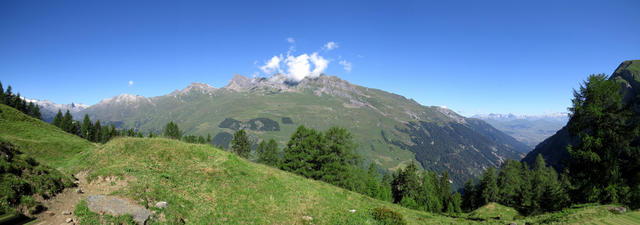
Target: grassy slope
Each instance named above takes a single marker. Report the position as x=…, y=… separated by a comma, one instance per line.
x=206, y=185
x=201, y=184
x=44, y=142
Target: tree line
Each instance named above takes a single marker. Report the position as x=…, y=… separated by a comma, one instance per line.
x=330, y=156
x=15, y=101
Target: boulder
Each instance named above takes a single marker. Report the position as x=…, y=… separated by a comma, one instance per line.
x=161, y=205
x=117, y=207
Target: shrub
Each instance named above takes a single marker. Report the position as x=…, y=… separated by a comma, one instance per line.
x=387, y=216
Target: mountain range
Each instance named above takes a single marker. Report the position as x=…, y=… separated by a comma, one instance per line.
x=554, y=148
x=49, y=109
x=528, y=129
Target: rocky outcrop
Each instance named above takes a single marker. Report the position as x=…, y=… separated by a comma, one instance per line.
x=117, y=207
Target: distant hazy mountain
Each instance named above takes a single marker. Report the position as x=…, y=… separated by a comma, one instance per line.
x=554, y=148
x=49, y=109
x=390, y=130
x=527, y=129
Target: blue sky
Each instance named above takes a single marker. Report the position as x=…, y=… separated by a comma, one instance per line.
x=522, y=57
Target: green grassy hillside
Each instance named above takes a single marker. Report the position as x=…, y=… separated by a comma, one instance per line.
x=42, y=141
x=205, y=185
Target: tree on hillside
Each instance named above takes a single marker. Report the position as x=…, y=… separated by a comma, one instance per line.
x=510, y=183
x=406, y=184
x=488, y=187
x=469, y=196
x=445, y=190
x=299, y=154
x=336, y=161
x=67, y=123
x=430, y=195
x=240, y=144
x=606, y=157
x=385, y=188
x=57, y=120
x=267, y=152
x=97, y=127
x=171, y=130
x=85, y=128
x=372, y=182
x=8, y=96
x=1, y=94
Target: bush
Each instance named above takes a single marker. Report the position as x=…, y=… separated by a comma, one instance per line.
x=387, y=216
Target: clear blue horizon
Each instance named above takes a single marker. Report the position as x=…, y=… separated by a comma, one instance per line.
x=474, y=57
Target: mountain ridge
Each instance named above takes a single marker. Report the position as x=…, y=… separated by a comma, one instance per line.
x=391, y=130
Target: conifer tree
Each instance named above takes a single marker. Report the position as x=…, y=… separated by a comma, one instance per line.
x=469, y=196
x=57, y=120
x=385, y=188
x=97, y=127
x=8, y=96
x=299, y=154
x=488, y=188
x=85, y=128
x=268, y=152
x=445, y=189
x=1, y=94
x=208, y=138
x=406, y=184
x=430, y=196
x=372, y=182
x=336, y=161
x=67, y=123
x=36, y=112
x=171, y=130
x=240, y=144
x=456, y=200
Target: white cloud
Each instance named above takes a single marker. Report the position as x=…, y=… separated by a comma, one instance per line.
x=296, y=68
x=346, y=65
x=273, y=65
x=331, y=45
x=130, y=83
x=319, y=63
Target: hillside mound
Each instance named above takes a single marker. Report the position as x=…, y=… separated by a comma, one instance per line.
x=204, y=185
x=494, y=211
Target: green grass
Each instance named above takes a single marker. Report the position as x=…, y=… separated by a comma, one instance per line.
x=494, y=211
x=205, y=185
x=42, y=141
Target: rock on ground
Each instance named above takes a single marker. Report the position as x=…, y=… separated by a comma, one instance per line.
x=117, y=207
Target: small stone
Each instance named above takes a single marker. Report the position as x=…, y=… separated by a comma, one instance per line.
x=66, y=213
x=79, y=191
x=307, y=218
x=52, y=214
x=161, y=205
x=352, y=211
x=68, y=220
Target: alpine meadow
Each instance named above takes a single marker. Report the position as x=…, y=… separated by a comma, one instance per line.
x=335, y=112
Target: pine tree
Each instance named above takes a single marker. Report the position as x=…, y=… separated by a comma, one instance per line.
x=456, y=200
x=385, y=189
x=268, y=152
x=240, y=144
x=372, y=182
x=510, y=183
x=85, y=128
x=445, y=190
x=171, y=130
x=606, y=129
x=8, y=96
x=209, y=138
x=488, y=187
x=67, y=123
x=1, y=94
x=299, y=154
x=430, y=196
x=36, y=112
x=406, y=184
x=335, y=161
x=469, y=196
x=97, y=127
x=57, y=120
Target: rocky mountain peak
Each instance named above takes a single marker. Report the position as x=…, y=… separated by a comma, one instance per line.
x=197, y=87
x=239, y=83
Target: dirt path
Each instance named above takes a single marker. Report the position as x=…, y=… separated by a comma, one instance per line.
x=70, y=197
